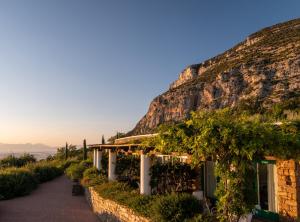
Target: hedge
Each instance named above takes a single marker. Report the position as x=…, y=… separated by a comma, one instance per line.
x=75, y=170
x=12, y=161
x=169, y=207
x=16, y=182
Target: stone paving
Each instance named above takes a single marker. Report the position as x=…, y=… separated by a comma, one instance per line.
x=51, y=202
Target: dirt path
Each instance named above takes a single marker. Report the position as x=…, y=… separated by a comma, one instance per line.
x=51, y=202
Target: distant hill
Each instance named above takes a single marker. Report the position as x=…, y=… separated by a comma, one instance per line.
x=259, y=72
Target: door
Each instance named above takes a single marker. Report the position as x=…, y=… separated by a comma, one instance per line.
x=211, y=182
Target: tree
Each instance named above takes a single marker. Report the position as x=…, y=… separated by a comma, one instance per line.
x=102, y=140
x=84, y=150
x=117, y=136
x=66, y=151
x=71, y=152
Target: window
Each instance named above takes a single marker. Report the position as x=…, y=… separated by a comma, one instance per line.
x=266, y=189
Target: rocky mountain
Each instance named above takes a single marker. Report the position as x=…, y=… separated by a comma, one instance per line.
x=261, y=71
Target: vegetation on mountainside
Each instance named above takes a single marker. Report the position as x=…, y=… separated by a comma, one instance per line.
x=263, y=52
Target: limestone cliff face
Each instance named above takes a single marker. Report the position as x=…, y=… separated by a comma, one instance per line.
x=262, y=70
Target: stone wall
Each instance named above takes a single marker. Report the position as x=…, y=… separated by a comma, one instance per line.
x=110, y=211
x=288, y=187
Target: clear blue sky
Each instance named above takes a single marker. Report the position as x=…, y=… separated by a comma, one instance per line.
x=78, y=69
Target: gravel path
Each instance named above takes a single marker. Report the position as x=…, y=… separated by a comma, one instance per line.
x=51, y=202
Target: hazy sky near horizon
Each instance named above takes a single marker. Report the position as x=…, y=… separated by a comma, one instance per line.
x=79, y=69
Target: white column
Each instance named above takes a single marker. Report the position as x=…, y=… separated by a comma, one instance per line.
x=145, y=187
x=95, y=157
x=99, y=158
x=112, y=160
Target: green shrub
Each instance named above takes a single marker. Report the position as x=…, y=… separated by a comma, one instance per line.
x=171, y=207
x=175, y=207
x=16, y=182
x=202, y=218
x=12, y=161
x=141, y=204
x=45, y=171
x=90, y=173
x=72, y=152
x=64, y=164
x=125, y=195
x=87, y=163
x=20, y=181
x=91, y=177
x=75, y=170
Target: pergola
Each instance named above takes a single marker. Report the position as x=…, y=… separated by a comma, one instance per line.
x=124, y=145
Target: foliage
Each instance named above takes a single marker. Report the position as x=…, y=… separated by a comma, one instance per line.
x=172, y=176
x=170, y=207
x=234, y=141
x=45, y=171
x=104, y=163
x=75, y=170
x=72, y=152
x=84, y=150
x=128, y=168
x=202, y=218
x=64, y=164
x=66, y=151
x=50, y=158
x=90, y=172
x=174, y=134
x=91, y=177
x=123, y=194
x=12, y=161
x=21, y=181
x=175, y=208
x=16, y=182
x=102, y=140
x=117, y=136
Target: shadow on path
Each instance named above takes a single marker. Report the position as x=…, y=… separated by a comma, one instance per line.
x=51, y=202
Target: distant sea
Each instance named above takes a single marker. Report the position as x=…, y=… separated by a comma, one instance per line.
x=40, y=151
x=37, y=155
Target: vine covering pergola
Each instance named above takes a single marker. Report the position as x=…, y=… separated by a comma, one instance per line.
x=129, y=146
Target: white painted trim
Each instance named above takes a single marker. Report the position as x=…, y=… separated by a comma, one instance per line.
x=94, y=158
x=276, y=188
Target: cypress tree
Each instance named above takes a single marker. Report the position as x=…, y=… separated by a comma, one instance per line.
x=84, y=150
x=66, y=151
x=103, y=140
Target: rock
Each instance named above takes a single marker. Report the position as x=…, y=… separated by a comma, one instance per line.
x=261, y=71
